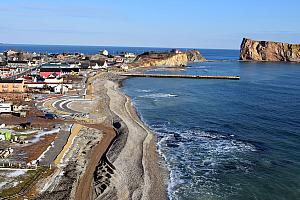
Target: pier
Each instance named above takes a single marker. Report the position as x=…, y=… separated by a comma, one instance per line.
x=182, y=76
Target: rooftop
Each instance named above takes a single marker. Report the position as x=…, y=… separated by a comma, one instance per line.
x=10, y=81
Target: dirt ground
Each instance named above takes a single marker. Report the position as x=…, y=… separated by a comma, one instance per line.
x=34, y=117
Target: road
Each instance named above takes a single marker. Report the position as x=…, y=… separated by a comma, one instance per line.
x=24, y=72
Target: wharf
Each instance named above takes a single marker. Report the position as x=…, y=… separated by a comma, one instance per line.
x=182, y=76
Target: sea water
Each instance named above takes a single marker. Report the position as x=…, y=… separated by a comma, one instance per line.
x=226, y=139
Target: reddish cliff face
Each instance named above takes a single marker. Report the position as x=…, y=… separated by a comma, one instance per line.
x=269, y=51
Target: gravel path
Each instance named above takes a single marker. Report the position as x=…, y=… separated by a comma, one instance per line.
x=137, y=171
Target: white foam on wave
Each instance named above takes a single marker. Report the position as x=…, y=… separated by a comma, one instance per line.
x=144, y=90
x=198, y=158
x=199, y=67
x=158, y=95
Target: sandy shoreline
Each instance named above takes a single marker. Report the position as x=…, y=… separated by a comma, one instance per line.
x=138, y=175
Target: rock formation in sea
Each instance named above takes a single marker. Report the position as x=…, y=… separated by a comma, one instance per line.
x=172, y=59
x=194, y=56
x=269, y=51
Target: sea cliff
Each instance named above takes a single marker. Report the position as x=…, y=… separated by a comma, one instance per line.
x=252, y=50
x=172, y=59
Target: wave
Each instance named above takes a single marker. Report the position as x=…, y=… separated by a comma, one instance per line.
x=143, y=90
x=196, y=159
x=158, y=95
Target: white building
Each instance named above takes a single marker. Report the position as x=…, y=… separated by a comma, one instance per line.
x=124, y=67
x=2, y=137
x=53, y=82
x=5, y=108
x=100, y=65
x=60, y=89
x=104, y=52
x=129, y=55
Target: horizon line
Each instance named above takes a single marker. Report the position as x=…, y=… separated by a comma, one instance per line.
x=88, y=45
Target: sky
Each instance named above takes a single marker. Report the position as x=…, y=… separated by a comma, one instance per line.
x=214, y=24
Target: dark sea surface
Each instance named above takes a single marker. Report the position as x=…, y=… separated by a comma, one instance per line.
x=222, y=139
x=76, y=49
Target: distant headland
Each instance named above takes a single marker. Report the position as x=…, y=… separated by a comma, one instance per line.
x=252, y=50
x=174, y=58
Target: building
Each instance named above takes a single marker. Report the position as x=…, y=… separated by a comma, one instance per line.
x=17, y=63
x=12, y=86
x=5, y=134
x=84, y=65
x=46, y=72
x=2, y=137
x=176, y=51
x=6, y=71
x=124, y=67
x=129, y=55
x=98, y=64
x=119, y=59
x=60, y=89
x=5, y=108
x=50, y=82
x=104, y=52
x=54, y=71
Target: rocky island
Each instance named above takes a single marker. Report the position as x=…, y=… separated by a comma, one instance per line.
x=252, y=50
x=175, y=58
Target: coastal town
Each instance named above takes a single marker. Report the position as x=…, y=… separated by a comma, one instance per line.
x=149, y=100
x=56, y=123
x=67, y=131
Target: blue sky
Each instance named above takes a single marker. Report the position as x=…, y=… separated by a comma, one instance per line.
x=157, y=23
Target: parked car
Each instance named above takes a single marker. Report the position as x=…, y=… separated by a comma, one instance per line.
x=50, y=116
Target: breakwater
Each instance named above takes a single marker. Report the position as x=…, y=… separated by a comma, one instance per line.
x=182, y=76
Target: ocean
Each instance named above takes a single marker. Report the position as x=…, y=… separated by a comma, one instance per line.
x=221, y=139
x=224, y=139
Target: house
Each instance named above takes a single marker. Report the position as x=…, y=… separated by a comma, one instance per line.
x=84, y=65
x=129, y=55
x=56, y=85
x=57, y=71
x=11, y=53
x=110, y=60
x=119, y=59
x=60, y=89
x=98, y=64
x=2, y=137
x=5, y=134
x=12, y=86
x=61, y=56
x=6, y=71
x=46, y=72
x=104, y=52
x=124, y=67
x=5, y=108
x=67, y=71
x=54, y=81
x=176, y=51
x=17, y=63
